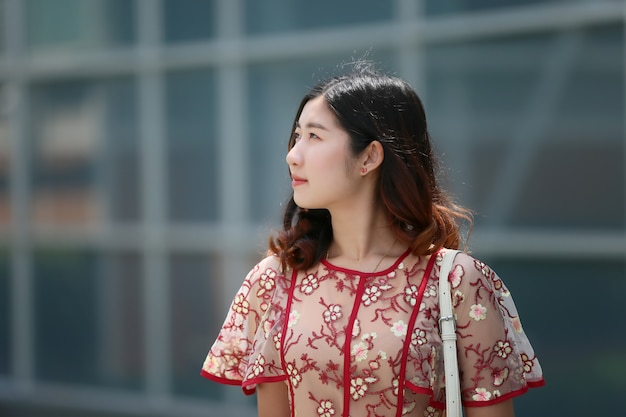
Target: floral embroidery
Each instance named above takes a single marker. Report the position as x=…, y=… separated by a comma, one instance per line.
x=408, y=407
x=241, y=305
x=517, y=325
x=309, y=284
x=457, y=298
x=258, y=366
x=294, y=316
x=267, y=282
x=481, y=394
x=399, y=328
x=371, y=295
x=325, y=409
x=478, y=312
x=333, y=313
x=456, y=276
x=503, y=348
x=431, y=412
x=358, y=387
x=294, y=375
x=359, y=351
x=418, y=337
x=303, y=334
x=431, y=291
x=528, y=363
x=410, y=294
x=499, y=376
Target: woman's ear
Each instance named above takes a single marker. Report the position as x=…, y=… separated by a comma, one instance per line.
x=372, y=157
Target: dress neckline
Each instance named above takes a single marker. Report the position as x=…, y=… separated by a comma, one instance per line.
x=386, y=271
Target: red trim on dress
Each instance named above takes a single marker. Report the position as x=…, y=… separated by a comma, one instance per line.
x=409, y=330
x=248, y=386
x=347, y=271
x=283, y=336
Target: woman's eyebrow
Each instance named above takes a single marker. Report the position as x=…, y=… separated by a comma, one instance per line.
x=312, y=125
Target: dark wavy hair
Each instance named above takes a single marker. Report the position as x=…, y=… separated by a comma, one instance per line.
x=372, y=106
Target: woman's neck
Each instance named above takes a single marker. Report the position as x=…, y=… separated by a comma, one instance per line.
x=363, y=238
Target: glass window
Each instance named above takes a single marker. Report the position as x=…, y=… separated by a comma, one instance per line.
x=88, y=318
x=293, y=15
x=195, y=288
x=438, y=7
x=533, y=127
x=569, y=309
x=192, y=146
x=188, y=20
x=5, y=157
x=3, y=46
x=5, y=311
x=85, y=152
x=79, y=24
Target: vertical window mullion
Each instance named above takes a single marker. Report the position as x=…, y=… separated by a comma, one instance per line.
x=153, y=202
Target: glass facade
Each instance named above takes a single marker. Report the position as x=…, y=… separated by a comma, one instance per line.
x=142, y=164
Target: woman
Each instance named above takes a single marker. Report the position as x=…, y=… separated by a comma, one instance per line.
x=341, y=319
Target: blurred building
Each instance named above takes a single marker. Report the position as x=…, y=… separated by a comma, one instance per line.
x=142, y=149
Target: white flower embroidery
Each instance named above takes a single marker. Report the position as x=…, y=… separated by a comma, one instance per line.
x=399, y=328
x=418, y=337
x=371, y=295
x=294, y=316
x=241, y=305
x=259, y=366
x=359, y=351
x=358, y=387
x=309, y=284
x=294, y=375
x=481, y=394
x=478, y=312
x=325, y=409
x=503, y=348
x=410, y=294
x=333, y=313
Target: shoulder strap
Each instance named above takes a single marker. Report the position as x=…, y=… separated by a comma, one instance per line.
x=447, y=325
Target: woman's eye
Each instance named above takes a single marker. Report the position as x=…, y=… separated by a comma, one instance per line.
x=313, y=136
x=295, y=136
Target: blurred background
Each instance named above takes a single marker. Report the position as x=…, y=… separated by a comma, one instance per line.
x=142, y=149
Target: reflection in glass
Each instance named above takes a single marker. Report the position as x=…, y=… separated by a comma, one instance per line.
x=438, y=7
x=85, y=152
x=88, y=325
x=192, y=146
x=196, y=318
x=585, y=347
x=272, y=16
x=5, y=311
x=79, y=24
x=537, y=127
x=5, y=155
x=188, y=20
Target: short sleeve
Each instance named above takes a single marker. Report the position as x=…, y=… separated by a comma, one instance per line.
x=246, y=351
x=496, y=359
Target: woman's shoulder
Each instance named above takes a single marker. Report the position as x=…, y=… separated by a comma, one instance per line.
x=269, y=267
x=466, y=265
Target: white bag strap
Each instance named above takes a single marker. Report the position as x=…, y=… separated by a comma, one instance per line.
x=447, y=325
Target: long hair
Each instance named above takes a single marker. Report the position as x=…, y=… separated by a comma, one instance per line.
x=372, y=106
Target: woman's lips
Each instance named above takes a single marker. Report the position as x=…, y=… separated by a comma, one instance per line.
x=295, y=181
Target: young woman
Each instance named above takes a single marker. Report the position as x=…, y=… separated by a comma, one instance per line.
x=341, y=319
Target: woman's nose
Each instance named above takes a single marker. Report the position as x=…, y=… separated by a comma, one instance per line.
x=293, y=156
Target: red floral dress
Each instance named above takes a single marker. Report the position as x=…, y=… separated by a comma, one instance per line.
x=349, y=343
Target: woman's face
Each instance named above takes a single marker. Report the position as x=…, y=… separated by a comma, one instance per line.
x=324, y=173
